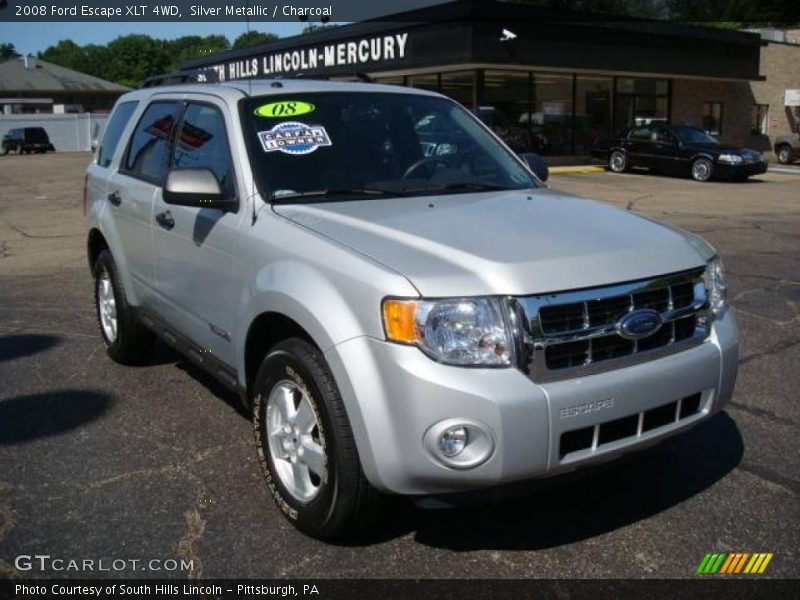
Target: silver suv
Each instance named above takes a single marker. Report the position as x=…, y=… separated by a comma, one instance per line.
x=401, y=303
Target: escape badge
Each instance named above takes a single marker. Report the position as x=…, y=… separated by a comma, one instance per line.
x=292, y=137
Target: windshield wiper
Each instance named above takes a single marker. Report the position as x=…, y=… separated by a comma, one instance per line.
x=336, y=192
x=464, y=185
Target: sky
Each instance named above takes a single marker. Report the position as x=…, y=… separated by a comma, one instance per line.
x=35, y=37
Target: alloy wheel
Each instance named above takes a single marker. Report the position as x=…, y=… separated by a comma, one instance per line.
x=107, y=306
x=295, y=440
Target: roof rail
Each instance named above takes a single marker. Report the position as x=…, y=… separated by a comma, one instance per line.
x=192, y=76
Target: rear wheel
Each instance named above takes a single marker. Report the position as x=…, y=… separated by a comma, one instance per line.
x=618, y=161
x=127, y=341
x=784, y=154
x=702, y=169
x=305, y=444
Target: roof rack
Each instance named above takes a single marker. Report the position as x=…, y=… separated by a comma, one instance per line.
x=192, y=76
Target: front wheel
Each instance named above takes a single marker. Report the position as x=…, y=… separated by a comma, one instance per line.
x=618, y=161
x=305, y=445
x=702, y=169
x=784, y=154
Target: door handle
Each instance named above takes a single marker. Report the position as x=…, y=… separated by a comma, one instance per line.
x=115, y=198
x=165, y=219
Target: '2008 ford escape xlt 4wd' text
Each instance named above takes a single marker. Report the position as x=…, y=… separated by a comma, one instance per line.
x=404, y=306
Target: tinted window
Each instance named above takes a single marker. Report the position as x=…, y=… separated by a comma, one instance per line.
x=665, y=135
x=202, y=143
x=114, y=128
x=641, y=134
x=147, y=152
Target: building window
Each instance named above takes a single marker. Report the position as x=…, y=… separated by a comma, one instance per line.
x=758, y=119
x=592, y=111
x=505, y=108
x=712, y=118
x=425, y=82
x=552, y=112
x=640, y=101
x=460, y=86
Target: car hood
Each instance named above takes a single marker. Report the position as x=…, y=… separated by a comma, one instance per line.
x=507, y=243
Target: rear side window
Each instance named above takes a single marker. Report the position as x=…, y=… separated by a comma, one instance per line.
x=202, y=143
x=642, y=134
x=36, y=135
x=147, y=151
x=114, y=128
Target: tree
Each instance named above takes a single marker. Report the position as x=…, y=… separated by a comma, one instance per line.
x=250, y=38
x=7, y=51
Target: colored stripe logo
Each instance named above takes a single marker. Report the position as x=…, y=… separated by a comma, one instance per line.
x=734, y=563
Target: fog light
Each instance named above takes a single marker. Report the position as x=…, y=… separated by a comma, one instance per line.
x=459, y=443
x=453, y=441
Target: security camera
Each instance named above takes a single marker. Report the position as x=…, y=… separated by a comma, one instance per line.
x=507, y=35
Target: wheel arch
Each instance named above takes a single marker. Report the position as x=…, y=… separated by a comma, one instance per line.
x=95, y=244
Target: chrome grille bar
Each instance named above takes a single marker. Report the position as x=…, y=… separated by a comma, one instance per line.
x=574, y=333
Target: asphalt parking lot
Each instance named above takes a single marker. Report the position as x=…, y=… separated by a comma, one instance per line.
x=100, y=461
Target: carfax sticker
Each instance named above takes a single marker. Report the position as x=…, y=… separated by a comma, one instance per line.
x=292, y=137
x=284, y=108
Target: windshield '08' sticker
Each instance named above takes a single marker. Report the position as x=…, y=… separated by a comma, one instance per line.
x=292, y=137
x=284, y=108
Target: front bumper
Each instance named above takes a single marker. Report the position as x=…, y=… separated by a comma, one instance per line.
x=726, y=170
x=395, y=393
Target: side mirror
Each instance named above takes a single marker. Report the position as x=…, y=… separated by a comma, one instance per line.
x=536, y=164
x=195, y=187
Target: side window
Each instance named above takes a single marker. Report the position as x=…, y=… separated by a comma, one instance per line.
x=202, y=143
x=666, y=136
x=641, y=134
x=114, y=128
x=147, y=152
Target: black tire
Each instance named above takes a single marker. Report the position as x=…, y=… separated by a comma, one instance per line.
x=702, y=169
x=133, y=342
x=618, y=161
x=784, y=154
x=345, y=500
x=6, y=150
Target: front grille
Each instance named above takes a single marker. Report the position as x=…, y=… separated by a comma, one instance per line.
x=572, y=331
x=596, y=436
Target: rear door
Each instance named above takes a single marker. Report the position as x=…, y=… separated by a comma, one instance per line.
x=196, y=247
x=640, y=146
x=132, y=188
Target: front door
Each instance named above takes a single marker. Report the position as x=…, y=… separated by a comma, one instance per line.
x=132, y=188
x=196, y=247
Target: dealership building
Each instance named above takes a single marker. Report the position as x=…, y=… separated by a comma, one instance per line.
x=554, y=81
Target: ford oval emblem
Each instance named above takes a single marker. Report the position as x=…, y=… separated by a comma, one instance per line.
x=639, y=324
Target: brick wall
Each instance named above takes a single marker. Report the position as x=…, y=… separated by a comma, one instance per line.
x=780, y=64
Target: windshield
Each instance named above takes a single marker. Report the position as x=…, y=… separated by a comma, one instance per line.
x=314, y=147
x=690, y=135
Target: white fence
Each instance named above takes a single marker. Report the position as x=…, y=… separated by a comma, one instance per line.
x=69, y=132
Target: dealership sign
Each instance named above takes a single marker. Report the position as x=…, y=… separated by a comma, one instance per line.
x=357, y=53
x=792, y=98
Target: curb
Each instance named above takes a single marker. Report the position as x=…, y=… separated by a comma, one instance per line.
x=577, y=169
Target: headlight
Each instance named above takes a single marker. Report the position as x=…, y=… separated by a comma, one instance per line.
x=734, y=159
x=457, y=331
x=715, y=284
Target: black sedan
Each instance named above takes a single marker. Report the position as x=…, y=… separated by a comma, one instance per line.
x=678, y=150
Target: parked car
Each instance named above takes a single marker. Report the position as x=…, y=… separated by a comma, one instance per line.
x=678, y=150
x=787, y=148
x=395, y=320
x=26, y=140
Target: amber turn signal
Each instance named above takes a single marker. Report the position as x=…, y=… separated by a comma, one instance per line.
x=399, y=320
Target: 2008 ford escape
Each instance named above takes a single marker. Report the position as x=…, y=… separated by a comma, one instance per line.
x=404, y=306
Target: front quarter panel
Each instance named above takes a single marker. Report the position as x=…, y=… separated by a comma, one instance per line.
x=332, y=292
